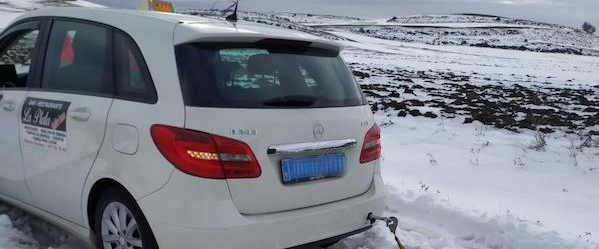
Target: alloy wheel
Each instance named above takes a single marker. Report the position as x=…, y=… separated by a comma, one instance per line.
x=119, y=228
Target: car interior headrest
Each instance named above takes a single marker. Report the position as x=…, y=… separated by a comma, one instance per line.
x=262, y=64
x=8, y=76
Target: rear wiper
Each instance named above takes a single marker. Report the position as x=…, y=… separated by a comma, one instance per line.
x=291, y=101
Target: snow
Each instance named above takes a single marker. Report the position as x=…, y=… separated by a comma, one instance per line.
x=10, y=237
x=10, y=9
x=508, y=196
x=456, y=185
x=544, y=189
x=82, y=3
x=486, y=61
x=428, y=225
x=16, y=6
x=475, y=31
x=5, y=230
x=453, y=185
x=433, y=25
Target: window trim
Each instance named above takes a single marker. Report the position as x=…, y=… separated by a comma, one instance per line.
x=46, y=22
x=309, y=51
x=143, y=67
x=39, y=23
x=37, y=87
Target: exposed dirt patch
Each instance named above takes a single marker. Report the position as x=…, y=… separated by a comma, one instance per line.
x=507, y=106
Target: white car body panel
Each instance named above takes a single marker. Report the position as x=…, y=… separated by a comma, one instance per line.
x=209, y=218
x=56, y=178
x=12, y=174
x=149, y=34
x=184, y=210
x=289, y=126
x=147, y=160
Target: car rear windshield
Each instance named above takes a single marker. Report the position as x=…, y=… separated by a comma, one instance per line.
x=259, y=75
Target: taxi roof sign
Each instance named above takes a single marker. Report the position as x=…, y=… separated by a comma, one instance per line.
x=157, y=5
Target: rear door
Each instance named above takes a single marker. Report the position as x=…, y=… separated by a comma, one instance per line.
x=63, y=122
x=18, y=50
x=297, y=107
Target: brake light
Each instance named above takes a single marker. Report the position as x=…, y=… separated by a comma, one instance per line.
x=371, y=150
x=205, y=155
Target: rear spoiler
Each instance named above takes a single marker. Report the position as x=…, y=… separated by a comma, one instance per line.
x=217, y=31
x=272, y=45
x=266, y=42
x=286, y=45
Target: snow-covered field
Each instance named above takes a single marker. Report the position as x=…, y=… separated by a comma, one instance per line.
x=483, y=148
x=457, y=185
x=462, y=30
x=10, y=9
x=455, y=182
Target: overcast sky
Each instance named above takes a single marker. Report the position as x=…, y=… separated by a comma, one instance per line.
x=567, y=12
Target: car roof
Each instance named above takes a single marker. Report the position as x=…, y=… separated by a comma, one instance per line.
x=195, y=27
x=104, y=14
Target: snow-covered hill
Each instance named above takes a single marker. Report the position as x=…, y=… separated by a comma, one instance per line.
x=461, y=30
x=483, y=148
x=10, y=9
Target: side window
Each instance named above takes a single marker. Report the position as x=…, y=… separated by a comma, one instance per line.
x=133, y=80
x=16, y=58
x=78, y=58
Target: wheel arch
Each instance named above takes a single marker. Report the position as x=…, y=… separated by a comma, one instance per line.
x=109, y=188
x=93, y=197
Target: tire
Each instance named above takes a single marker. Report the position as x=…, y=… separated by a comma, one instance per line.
x=120, y=224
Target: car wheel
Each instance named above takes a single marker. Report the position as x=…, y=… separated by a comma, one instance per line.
x=120, y=224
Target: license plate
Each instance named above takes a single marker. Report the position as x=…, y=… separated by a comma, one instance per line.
x=312, y=168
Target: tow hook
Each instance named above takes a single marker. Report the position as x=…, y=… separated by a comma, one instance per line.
x=391, y=223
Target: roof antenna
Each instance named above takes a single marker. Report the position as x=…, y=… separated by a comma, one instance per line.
x=233, y=17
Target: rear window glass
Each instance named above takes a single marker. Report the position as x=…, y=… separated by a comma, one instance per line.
x=256, y=76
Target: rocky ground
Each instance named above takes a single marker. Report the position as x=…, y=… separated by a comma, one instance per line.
x=28, y=231
x=548, y=39
x=479, y=31
x=539, y=106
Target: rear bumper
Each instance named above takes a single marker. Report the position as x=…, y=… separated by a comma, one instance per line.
x=192, y=213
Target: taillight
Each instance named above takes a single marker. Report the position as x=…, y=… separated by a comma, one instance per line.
x=205, y=155
x=371, y=150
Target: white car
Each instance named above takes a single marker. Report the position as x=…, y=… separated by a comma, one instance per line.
x=136, y=129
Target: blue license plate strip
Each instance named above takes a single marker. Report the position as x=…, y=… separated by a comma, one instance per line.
x=312, y=168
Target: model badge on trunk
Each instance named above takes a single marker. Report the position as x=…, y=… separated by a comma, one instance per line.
x=244, y=131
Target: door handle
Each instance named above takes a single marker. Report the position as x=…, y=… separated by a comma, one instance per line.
x=80, y=114
x=8, y=105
